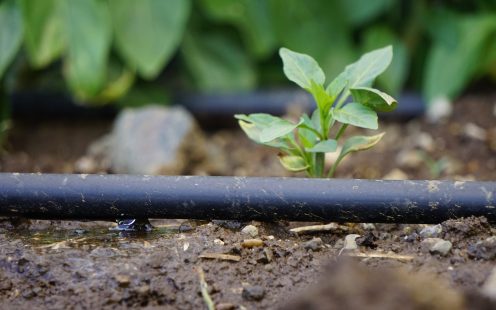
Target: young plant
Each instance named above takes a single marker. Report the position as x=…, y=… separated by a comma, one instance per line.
x=303, y=145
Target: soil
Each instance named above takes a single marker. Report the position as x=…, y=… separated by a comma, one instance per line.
x=79, y=265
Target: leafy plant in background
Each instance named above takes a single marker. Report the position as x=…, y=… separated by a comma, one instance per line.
x=105, y=47
x=304, y=144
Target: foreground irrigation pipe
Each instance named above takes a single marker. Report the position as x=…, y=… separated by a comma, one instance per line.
x=110, y=197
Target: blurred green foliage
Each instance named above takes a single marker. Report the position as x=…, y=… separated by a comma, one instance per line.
x=104, y=48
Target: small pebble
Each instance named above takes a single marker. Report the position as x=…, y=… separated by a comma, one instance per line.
x=431, y=231
x=438, y=109
x=350, y=242
x=143, y=290
x=218, y=242
x=409, y=159
x=489, y=286
x=368, y=226
x=250, y=230
x=123, y=280
x=473, y=131
x=367, y=240
x=225, y=306
x=253, y=293
x=396, y=174
x=250, y=243
x=425, y=142
x=315, y=244
x=265, y=256
x=234, y=225
x=80, y=231
x=185, y=227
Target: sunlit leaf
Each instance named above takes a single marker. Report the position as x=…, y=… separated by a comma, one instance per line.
x=322, y=98
x=301, y=69
x=357, y=114
x=293, y=163
x=254, y=124
x=359, y=143
x=337, y=85
x=307, y=132
x=327, y=146
x=368, y=67
x=393, y=79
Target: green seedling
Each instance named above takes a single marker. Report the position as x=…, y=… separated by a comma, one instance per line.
x=303, y=144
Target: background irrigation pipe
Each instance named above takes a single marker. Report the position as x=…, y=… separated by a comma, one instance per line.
x=110, y=197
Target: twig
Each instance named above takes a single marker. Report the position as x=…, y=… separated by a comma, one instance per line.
x=382, y=255
x=315, y=228
x=204, y=290
x=220, y=256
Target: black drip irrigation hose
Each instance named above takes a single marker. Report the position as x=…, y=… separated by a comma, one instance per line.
x=110, y=197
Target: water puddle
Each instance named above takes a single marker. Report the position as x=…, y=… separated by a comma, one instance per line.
x=56, y=238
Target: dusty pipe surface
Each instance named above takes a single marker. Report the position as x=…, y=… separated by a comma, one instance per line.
x=110, y=197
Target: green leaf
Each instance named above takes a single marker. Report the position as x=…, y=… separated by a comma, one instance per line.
x=359, y=12
x=358, y=143
x=44, y=36
x=393, y=79
x=358, y=115
x=322, y=98
x=254, y=124
x=251, y=17
x=119, y=81
x=449, y=68
x=88, y=35
x=278, y=128
x=293, y=163
x=301, y=69
x=307, y=132
x=217, y=63
x=147, y=32
x=368, y=67
x=327, y=146
x=337, y=85
x=305, y=26
x=374, y=99
x=10, y=33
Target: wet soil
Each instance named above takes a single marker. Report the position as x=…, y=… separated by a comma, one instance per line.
x=78, y=265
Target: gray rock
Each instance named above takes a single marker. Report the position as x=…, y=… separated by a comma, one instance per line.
x=436, y=246
x=485, y=249
x=431, y=231
x=250, y=230
x=315, y=244
x=155, y=140
x=254, y=292
x=442, y=247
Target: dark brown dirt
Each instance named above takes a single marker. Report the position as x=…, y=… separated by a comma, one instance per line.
x=78, y=265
